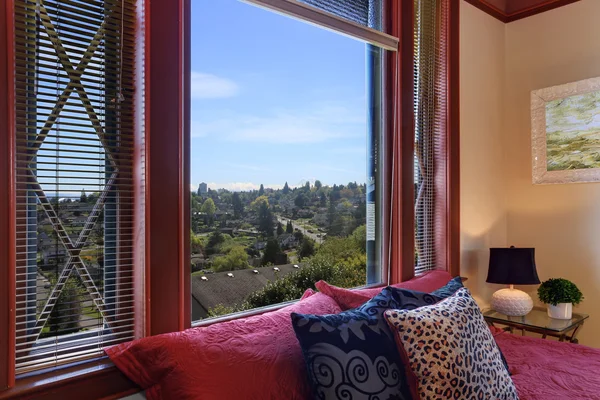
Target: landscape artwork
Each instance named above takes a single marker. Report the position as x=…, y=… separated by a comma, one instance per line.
x=566, y=133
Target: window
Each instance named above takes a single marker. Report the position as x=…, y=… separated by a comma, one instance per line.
x=286, y=166
x=74, y=143
x=74, y=179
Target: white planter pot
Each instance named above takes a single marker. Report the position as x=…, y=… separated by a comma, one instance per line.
x=560, y=311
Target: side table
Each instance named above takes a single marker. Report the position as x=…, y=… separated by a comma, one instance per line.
x=538, y=321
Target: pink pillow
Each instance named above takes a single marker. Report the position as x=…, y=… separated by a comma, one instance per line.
x=249, y=358
x=349, y=298
x=307, y=293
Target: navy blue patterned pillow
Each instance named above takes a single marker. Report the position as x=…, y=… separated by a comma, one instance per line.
x=450, y=288
x=352, y=355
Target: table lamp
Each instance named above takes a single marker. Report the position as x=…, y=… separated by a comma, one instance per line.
x=512, y=266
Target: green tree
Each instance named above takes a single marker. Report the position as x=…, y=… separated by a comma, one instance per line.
x=307, y=248
x=195, y=243
x=256, y=204
x=323, y=199
x=67, y=311
x=215, y=240
x=307, y=186
x=299, y=235
x=289, y=228
x=265, y=219
x=209, y=207
x=331, y=211
x=272, y=252
x=280, y=230
x=286, y=188
x=83, y=198
x=261, y=191
x=318, y=184
x=235, y=259
x=238, y=206
x=359, y=237
x=300, y=200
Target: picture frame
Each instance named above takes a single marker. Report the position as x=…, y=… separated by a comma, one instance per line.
x=565, y=133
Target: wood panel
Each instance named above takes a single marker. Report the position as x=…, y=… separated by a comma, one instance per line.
x=167, y=167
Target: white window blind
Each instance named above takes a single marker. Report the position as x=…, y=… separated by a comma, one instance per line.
x=74, y=178
x=430, y=105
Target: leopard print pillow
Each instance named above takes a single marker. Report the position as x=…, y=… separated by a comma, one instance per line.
x=451, y=350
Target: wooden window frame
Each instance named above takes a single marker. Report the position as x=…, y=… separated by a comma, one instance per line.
x=447, y=201
x=166, y=276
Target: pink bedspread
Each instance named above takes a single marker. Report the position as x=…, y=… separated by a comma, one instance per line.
x=549, y=370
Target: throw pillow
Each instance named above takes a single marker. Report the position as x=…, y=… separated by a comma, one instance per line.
x=352, y=298
x=254, y=357
x=450, y=288
x=451, y=351
x=352, y=355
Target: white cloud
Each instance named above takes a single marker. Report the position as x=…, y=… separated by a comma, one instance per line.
x=209, y=86
x=319, y=123
x=241, y=186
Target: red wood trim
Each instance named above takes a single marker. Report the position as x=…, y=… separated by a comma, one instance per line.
x=7, y=200
x=93, y=380
x=185, y=306
x=166, y=168
x=453, y=145
x=527, y=12
x=489, y=9
x=400, y=74
x=550, y=5
x=447, y=154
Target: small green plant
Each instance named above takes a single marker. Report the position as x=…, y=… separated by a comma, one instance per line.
x=558, y=290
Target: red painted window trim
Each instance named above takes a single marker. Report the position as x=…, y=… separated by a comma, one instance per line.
x=167, y=172
x=7, y=297
x=400, y=95
x=447, y=196
x=400, y=89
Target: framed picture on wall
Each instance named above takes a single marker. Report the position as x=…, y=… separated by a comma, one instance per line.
x=565, y=133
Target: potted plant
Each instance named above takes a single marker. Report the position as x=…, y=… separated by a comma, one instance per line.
x=560, y=295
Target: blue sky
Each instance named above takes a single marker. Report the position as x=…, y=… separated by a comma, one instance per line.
x=273, y=100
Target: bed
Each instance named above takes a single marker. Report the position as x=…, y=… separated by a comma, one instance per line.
x=550, y=370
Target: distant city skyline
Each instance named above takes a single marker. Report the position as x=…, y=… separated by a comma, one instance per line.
x=273, y=100
x=195, y=188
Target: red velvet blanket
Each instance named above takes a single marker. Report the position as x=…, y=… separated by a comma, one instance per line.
x=548, y=370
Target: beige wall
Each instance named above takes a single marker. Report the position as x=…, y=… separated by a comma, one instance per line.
x=561, y=221
x=483, y=189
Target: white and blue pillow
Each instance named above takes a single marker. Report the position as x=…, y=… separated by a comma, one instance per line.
x=352, y=355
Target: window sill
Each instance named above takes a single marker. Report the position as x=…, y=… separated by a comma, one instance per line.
x=97, y=379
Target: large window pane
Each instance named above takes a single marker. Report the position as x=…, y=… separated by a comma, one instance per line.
x=286, y=143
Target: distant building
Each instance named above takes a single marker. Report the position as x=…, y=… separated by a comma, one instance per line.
x=202, y=189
